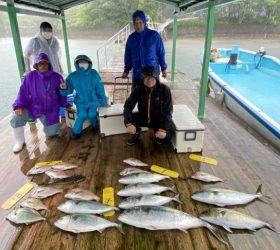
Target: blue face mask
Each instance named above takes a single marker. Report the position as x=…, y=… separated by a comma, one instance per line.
x=84, y=65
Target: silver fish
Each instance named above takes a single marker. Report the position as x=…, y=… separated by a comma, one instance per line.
x=79, y=223
x=142, y=178
x=66, y=180
x=39, y=170
x=64, y=166
x=33, y=203
x=225, y=197
x=56, y=174
x=128, y=171
x=147, y=200
x=144, y=189
x=84, y=207
x=201, y=176
x=228, y=218
x=24, y=216
x=164, y=218
x=135, y=162
x=81, y=194
x=44, y=192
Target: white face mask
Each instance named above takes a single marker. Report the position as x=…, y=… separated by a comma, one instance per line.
x=83, y=65
x=47, y=35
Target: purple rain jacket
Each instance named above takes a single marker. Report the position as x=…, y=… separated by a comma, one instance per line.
x=39, y=93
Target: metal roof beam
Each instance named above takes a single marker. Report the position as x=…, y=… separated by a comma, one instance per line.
x=37, y=13
x=173, y=3
x=188, y=3
x=38, y=3
x=74, y=3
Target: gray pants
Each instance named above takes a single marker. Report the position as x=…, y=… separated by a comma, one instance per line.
x=20, y=121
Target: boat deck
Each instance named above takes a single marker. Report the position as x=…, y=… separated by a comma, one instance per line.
x=244, y=160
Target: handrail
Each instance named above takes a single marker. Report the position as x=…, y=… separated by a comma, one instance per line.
x=118, y=38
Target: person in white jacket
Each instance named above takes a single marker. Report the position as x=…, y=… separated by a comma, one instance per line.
x=43, y=42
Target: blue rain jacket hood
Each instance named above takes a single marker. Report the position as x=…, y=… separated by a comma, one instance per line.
x=88, y=85
x=141, y=14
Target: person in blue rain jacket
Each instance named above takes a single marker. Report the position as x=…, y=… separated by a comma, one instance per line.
x=144, y=47
x=90, y=93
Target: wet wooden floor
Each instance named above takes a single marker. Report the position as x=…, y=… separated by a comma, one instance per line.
x=244, y=159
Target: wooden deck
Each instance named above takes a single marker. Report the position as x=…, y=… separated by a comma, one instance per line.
x=245, y=161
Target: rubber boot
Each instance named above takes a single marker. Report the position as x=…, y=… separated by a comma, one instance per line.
x=20, y=141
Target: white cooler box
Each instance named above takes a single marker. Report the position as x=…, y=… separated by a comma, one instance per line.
x=111, y=121
x=188, y=130
x=71, y=116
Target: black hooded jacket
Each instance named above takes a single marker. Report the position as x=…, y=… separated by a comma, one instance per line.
x=154, y=105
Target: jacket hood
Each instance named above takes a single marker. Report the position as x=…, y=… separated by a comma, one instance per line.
x=141, y=14
x=82, y=57
x=42, y=57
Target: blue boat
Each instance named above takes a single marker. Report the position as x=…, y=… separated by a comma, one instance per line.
x=249, y=85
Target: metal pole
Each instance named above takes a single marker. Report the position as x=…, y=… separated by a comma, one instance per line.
x=206, y=58
x=175, y=22
x=16, y=36
x=65, y=37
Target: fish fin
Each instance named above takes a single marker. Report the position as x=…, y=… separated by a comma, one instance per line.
x=116, y=209
x=227, y=229
x=100, y=231
x=252, y=229
x=48, y=221
x=120, y=228
x=216, y=233
x=177, y=198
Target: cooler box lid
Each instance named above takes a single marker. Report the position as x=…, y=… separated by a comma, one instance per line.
x=184, y=119
x=113, y=110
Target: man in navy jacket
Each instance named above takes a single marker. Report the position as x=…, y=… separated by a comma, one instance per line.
x=155, y=108
x=144, y=47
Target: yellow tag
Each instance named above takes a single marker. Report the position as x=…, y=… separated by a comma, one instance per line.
x=48, y=163
x=164, y=171
x=108, y=199
x=17, y=196
x=203, y=159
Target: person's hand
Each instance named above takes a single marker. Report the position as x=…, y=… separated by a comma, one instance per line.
x=131, y=129
x=164, y=73
x=160, y=134
x=124, y=75
x=63, y=85
x=19, y=112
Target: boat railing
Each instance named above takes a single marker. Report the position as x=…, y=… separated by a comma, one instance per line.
x=106, y=51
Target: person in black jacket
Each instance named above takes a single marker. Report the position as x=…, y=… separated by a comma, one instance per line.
x=155, y=108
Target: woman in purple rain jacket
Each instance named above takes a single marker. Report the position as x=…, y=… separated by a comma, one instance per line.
x=38, y=97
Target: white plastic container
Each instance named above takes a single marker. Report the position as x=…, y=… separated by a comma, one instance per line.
x=71, y=116
x=188, y=130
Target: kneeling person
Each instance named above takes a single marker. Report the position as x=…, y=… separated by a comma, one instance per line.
x=155, y=108
x=38, y=97
x=90, y=93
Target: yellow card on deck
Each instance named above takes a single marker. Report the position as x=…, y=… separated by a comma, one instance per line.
x=203, y=159
x=108, y=199
x=164, y=171
x=17, y=196
x=49, y=163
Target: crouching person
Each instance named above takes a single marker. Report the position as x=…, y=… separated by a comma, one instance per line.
x=90, y=93
x=155, y=108
x=38, y=97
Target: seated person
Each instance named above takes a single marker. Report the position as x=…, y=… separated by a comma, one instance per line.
x=89, y=93
x=155, y=108
x=38, y=97
x=214, y=55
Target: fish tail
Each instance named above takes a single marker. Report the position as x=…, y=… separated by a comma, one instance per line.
x=272, y=228
x=259, y=190
x=216, y=233
x=177, y=198
x=116, y=209
x=120, y=228
x=173, y=189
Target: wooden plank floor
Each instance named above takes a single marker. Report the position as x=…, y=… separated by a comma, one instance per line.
x=245, y=161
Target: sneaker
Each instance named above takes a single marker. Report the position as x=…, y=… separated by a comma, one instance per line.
x=75, y=136
x=133, y=139
x=95, y=129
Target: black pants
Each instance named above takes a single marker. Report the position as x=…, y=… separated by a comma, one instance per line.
x=139, y=120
